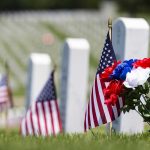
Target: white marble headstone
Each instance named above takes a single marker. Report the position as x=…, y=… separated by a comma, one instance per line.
x=74, y=82
x=38, y=72
x=130, y=37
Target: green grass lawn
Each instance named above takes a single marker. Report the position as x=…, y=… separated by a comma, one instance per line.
x=10, y=139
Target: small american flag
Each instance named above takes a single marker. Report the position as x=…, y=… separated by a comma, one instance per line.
x=43, y=117
x=4, y=94
x=97, y=112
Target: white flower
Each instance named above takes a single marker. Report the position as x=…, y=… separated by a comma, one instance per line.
x=136, y=77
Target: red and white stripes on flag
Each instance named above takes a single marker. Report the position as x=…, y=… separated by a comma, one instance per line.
x=4, y=95
x=42, y=118
x=98, y=113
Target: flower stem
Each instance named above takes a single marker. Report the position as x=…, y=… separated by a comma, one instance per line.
x=144, y=105
x=142, y=116
x=144, y=97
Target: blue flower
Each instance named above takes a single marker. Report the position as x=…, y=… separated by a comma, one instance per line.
x=130, y=62
x=124, y=72
x=122, y=69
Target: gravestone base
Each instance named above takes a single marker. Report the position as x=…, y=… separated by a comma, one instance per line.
x=127, y=122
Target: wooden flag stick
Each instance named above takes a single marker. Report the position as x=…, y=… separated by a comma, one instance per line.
x=54, y=67
x=6, y=69
x=110, y=35
x=9, y=89
x=110, y=28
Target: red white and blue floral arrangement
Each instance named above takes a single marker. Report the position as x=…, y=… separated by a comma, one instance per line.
x=130, y=80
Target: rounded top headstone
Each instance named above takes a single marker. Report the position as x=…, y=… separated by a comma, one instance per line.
x=40, y=58
x=77, y=43
x=135, y=23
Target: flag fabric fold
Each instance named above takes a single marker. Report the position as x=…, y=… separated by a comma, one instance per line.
x=98, y=113
x=43, y=117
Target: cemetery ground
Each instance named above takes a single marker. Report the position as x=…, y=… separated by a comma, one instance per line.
x=10, y=139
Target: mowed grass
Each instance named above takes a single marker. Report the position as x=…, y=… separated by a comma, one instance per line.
x=95, y=140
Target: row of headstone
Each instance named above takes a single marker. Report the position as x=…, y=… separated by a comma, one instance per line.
x=130, y=40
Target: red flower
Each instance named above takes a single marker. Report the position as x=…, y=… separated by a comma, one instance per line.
x=115, y=86
x=112, y=100
x=144, y=63
x=107, y=93
x=108, y=71
x=112, y=92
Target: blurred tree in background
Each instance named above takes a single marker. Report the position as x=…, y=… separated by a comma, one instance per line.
x=58, y=4
x=134, y=6
x=10, y=4
x=131, y=6
x=48, y=4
